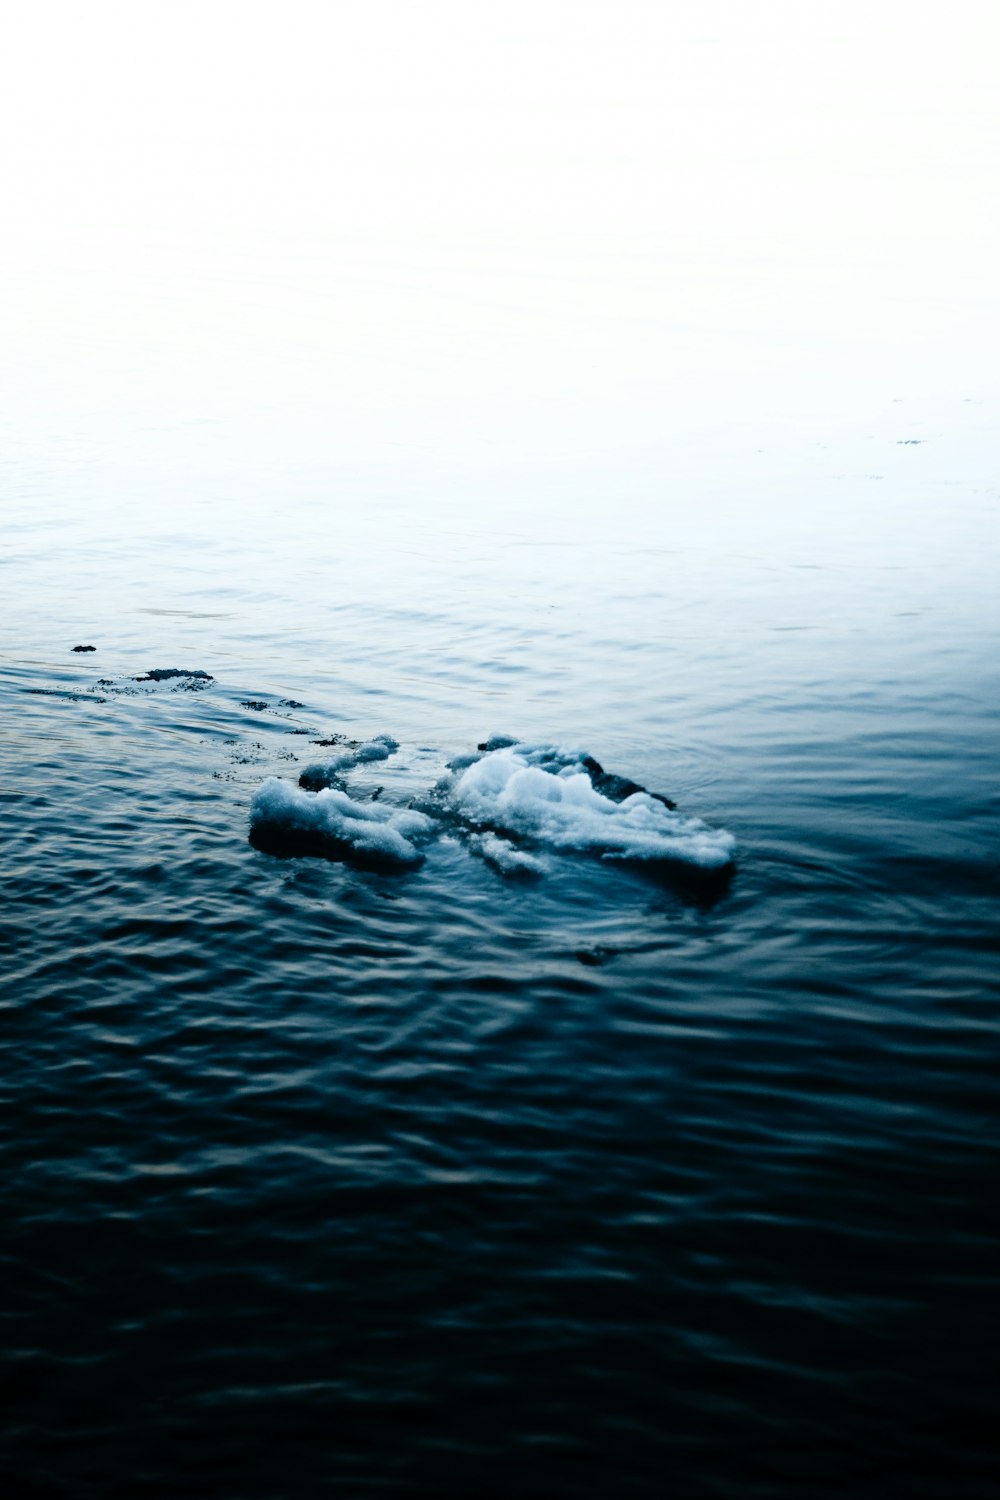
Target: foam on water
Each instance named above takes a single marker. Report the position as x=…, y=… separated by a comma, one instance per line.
x=549, y=796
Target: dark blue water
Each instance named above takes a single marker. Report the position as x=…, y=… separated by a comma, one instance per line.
x=325, y=1180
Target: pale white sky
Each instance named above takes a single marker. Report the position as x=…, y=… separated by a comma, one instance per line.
x=554, y=229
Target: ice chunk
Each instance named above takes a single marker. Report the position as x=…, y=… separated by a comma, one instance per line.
x=560, y=798
x=380, y=747
x=285, y=819
x=322, y=773
x=498, y=742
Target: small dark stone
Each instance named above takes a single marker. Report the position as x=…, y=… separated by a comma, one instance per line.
x=84, y=648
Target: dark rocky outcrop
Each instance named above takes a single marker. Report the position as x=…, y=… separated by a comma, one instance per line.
x=162, y=674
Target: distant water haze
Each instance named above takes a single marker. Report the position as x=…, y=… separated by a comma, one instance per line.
x=536, y=254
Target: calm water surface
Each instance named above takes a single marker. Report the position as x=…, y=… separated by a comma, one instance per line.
x=320, y=1180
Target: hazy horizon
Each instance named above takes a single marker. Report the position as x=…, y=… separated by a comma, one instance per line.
x=462, y=245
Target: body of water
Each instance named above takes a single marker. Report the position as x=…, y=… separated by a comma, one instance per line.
x=605, y=1177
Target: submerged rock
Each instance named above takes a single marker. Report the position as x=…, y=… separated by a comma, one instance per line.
x=162, y=674
x=84, y=648
x=617, y=788
x=595, y=958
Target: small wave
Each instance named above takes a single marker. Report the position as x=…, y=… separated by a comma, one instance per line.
x=504, y=856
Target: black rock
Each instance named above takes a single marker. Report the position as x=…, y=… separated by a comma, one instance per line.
x=617, y=788
x=84, y=648
x=161, y=674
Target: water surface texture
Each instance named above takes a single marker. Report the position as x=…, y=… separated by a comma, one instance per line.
x=462, y=1179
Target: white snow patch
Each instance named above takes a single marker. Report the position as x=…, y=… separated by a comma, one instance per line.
x=543, y=793
x=373, y=831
